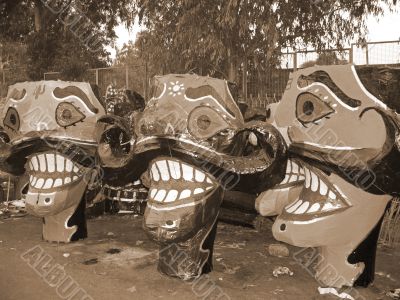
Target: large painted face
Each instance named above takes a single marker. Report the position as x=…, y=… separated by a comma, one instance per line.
x=48, y=132
x=341, y=144
x=192, y=142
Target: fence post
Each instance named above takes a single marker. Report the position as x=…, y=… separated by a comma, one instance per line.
x=127, y=77
x=97, y=77
x=146, y=80
x=295, y=61
x=351, y=60
x=244, y=84
x=366, y=53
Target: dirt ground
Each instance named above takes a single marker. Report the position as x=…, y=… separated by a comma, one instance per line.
x=118, y=261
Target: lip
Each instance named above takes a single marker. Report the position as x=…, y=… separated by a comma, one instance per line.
x=176, y=183
x=318, y=198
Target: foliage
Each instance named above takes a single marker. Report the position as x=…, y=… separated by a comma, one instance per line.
x=58, y=36
x=222, y=34
x=325, y=58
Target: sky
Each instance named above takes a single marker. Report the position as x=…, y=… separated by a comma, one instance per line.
x=384, y=28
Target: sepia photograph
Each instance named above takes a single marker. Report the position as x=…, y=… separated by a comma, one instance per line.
x=199, y=149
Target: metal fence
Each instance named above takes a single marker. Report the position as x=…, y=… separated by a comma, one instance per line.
x=269, y=86
x=130, y=77
x=260, y=89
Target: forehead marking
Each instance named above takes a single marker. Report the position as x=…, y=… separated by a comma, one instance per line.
x=62, y=93
x=18, y=95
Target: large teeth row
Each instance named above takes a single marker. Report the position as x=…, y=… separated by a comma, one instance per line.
x=48, y=183
x=294, y=173
x=162, y=195
x=305, y=207
x=170, y=169
x=311, y=179
x=52, y=162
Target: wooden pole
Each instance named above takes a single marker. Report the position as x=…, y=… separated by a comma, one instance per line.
x=8, y=190
x=244, y=87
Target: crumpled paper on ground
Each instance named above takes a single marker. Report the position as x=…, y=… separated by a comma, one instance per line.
x=278, y=271
x=333, y=291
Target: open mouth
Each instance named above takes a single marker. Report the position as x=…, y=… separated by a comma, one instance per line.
x=173, y=180
x=318, y=197
x=52, y=170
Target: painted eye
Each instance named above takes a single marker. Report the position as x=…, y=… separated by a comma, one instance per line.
x=67, y=114
x=309, y=108
x=12, y=119
x=204, y=122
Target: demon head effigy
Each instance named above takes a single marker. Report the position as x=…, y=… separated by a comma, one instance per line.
x=192, y=142
x=343, y=168
x=48, y=132
x=122, y=106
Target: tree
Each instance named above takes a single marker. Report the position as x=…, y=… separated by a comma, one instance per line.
x=68, y=35
x=223, y=34
x=325, y=58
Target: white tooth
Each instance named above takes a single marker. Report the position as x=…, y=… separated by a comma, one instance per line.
x=208, y=180
x=154, y=173
x=332, y=195
x=253, y=139
x=48, y=184
x=301, y=171
x=164, y=171
x=34, y=181
x=42, y=162
x=285, y=180
x=209, y=188
x=327, y=206
x=68, y=165
x=39, y=183
x=288, y=166
x=160, y=195
x=174, y=169
x=60, y=163
x=323, y=189
x=314, y=182
x=35, y=163
x=294, y=206
x=301, y=177
x=200, y=176
x=185, y=194
x=187, y=172
x=67, y=180
x=50, y=163
x=57, y=182
x=76, y=169
x=30, y=165
x=308, y=178
x=198, y=191
x=153, y=193
x=172, y=195
x=314, y=208
x=30, y=179
x=75, y=178
x=302, y=209
x=295, y=168
x=293, y=178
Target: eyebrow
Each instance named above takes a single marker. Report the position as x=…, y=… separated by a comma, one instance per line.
x=323, y=77
x=77, y=92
